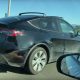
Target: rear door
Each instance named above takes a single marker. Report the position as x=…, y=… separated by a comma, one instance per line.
x=57, y=39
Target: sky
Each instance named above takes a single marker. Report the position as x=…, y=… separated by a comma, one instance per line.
x=68, y=9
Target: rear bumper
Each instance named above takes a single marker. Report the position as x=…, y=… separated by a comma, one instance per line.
x=13, y=54
x=14, y=58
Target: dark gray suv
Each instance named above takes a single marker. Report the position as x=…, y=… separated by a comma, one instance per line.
x=32, y=41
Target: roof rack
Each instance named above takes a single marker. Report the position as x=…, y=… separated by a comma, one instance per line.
x=32, y=13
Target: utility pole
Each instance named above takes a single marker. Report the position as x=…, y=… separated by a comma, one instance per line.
x=9, y=6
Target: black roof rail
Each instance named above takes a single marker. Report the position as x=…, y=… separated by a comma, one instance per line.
x=32, y=13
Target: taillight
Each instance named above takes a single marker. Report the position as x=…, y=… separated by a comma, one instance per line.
x=15, y=33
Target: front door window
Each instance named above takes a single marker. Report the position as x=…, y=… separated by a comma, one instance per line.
x=65, y=27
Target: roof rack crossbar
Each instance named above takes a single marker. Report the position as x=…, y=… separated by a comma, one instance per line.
x=32, y=13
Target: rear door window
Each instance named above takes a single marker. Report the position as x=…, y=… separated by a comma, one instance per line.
x=44, y=23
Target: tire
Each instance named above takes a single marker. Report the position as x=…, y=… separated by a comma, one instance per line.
x=37, y=60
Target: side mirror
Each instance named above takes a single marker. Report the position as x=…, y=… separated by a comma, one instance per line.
x=69, y=65
x=75, y=34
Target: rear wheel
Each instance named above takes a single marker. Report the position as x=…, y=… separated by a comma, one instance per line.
x=37, y=60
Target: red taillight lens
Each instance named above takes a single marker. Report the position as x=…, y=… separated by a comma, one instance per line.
x=15, y=33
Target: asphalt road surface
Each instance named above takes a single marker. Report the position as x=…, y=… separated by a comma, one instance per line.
x=49, y=73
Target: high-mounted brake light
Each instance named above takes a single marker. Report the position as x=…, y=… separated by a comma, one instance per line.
x=15, y=33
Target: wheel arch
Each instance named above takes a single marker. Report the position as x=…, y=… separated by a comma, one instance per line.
x=43, y=45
